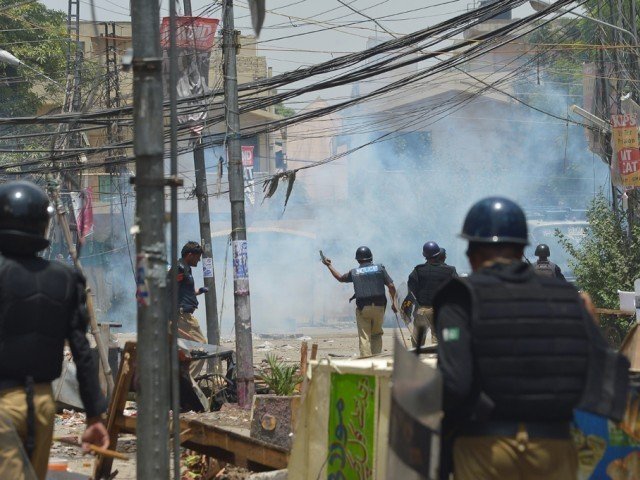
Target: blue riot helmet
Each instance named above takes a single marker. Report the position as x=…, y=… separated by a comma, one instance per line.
x=430, y=250
x=363, y=254
x=495, y=220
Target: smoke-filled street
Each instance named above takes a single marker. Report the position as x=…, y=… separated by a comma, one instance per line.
x=363, y=240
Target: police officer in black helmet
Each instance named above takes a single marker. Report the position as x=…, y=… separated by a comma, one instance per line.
x=369, y=280
x=423, y=283
x=545, y=267
x=43, y=305
x=517, y=353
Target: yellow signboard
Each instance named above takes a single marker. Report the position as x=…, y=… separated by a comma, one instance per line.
x=625, y=169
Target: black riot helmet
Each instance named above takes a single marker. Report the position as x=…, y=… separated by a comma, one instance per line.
x=363, y=254
x=542, y=251
x=430, y=250
x=25, y=213
x=495, y=220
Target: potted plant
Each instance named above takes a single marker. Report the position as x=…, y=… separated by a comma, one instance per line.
x=273, y=415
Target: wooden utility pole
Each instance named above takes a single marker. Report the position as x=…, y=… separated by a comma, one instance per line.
x=63, y=221
x=244, y=343
x=151, y=270
x=202, y=196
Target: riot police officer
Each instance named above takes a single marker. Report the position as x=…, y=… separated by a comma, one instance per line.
x=543, y=266
x=424, y=281
x=43, y=305
x=369, y=280
x=515, y=351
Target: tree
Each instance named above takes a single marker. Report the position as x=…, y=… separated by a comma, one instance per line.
x=608, y=258
x=38, y=37
x=284, y=111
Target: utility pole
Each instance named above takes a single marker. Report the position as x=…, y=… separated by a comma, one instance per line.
x=244, y=343
x=151, y=270
x=202, y=196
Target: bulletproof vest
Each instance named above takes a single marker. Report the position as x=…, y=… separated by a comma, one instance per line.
x=530, y=345
x=368, y=283
x=186, y=289
x=545, y=268
x=38, y=300
x=430, y=278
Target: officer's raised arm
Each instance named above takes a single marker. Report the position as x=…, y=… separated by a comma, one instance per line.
x=336, y=274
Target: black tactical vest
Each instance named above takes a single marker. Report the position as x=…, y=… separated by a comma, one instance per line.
x=545, y=268
x=530, y=345
x=37, y=301
x=430, y=278
x=368, y=285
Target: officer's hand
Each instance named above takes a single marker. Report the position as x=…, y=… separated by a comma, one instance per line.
x=202, y=290
x=327, y=261
x=394, y=307
x=96, y=434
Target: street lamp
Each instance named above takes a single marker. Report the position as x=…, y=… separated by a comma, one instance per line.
x=539, y=5
x=9, y=59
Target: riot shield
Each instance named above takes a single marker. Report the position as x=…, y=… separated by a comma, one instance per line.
x=415, y=418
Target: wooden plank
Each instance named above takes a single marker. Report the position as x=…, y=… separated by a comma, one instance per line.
x=225, y=445
x=613, y=311
x=126, y=424
x=233, y=447
x=314, y=352
x=116, y=407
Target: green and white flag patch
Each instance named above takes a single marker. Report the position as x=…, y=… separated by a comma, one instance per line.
x=451, y=334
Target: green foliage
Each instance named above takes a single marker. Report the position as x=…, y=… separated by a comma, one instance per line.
x=284, y=111
x=38, y=37
x=280, y=378
x=607, y=259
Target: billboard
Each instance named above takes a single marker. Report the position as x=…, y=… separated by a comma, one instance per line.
x=625, y=167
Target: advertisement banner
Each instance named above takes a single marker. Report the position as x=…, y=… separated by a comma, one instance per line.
x=191, y=32
x=352, y=420
x=605, y=450
x=247, y=155
x=628, y=163
x=247, y=168
x=625, y=144
x=195, y=37
x=207, y=267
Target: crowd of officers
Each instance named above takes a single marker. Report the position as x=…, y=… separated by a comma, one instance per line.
x=518, y=348
x=370, y=279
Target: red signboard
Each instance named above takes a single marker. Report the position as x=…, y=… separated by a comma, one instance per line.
x=247, y=155
x=191, y=32
x=629, y=160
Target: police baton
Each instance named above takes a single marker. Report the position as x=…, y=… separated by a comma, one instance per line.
x=400, y=328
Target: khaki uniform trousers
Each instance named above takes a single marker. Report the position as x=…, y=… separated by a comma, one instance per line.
x=190, y=330
x=13, y=409
x=423, y=317
x=505, y=458
x=369, y=321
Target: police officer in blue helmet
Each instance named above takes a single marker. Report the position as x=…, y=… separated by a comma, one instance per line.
x=423, y=283
x=369, y=280
x=514, y=352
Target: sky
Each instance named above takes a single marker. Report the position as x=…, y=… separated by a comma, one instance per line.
x=293, y=17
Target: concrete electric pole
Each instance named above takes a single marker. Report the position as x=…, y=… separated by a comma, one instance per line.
x=202, y=196
x=151, y=270
x=244, y=343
